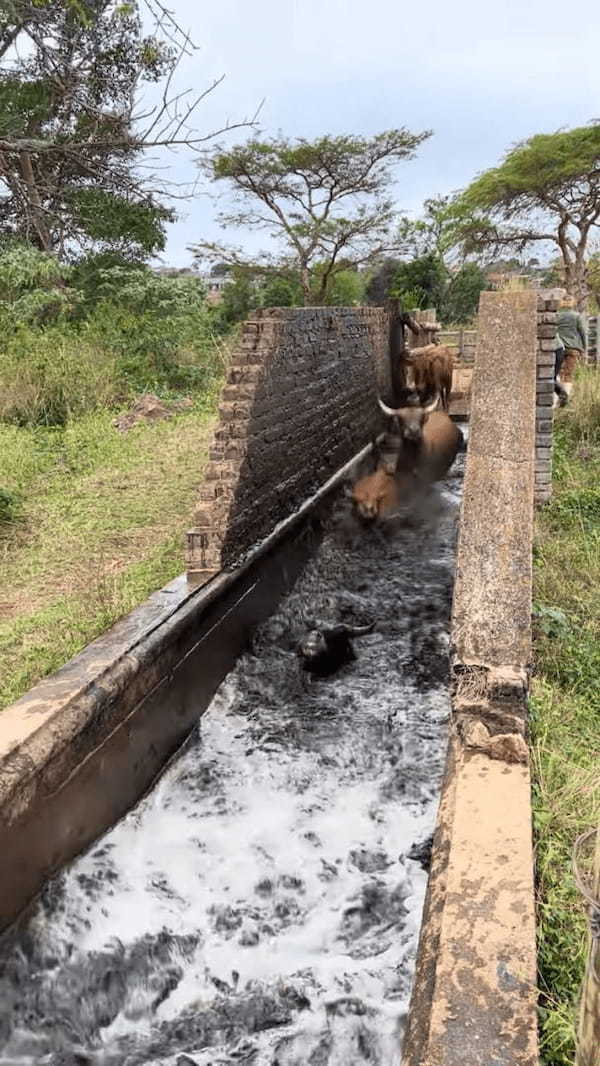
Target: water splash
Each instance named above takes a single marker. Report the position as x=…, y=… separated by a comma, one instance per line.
x=262, y=904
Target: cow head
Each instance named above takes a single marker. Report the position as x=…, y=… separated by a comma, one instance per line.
x=410, y=418
x=373, y=494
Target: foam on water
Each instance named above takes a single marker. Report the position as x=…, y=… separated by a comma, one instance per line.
x=261, y=905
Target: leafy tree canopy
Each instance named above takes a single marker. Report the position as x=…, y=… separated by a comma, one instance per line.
x=432, y=234
x=324, y=202
x=546, y=189
x=420, y=283
x=461, y=298
x=74, y=131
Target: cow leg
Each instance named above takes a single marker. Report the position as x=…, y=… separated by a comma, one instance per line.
x=567, y=371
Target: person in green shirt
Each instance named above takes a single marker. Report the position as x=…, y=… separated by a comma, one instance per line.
x=572, y=336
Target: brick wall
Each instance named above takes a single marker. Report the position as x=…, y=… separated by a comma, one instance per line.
x=546, y=333
x=300, y=399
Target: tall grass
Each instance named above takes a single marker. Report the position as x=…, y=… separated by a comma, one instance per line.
x=565, y=718
x=50, y=376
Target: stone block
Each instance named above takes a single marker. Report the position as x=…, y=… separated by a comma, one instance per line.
x=212, y=472
x=545, y=359
x=235, y=449
x=545, y=373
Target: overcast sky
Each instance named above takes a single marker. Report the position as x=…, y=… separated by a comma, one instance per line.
x=481, y=75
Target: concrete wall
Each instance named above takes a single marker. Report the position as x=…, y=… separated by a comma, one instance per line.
x=474, y=998
x=299, y=401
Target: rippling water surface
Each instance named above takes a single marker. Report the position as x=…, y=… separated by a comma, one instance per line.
x=262, y=904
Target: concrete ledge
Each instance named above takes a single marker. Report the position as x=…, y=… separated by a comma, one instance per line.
x=474, y=999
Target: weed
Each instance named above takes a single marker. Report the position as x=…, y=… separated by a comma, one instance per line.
x=9, y=506
x=565, y=710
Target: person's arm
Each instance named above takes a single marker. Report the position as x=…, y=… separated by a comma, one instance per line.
x=582, y=332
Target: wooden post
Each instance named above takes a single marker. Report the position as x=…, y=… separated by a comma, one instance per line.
x=588, y=1040
x=461, y=346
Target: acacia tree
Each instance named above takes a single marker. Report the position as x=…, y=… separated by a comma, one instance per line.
x=432, y=234
x=73, y=134
x=546, y=189
x=324, y=202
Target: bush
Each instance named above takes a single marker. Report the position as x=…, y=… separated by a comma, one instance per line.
x=10, y=505
x=48, y=376
x=125, y=331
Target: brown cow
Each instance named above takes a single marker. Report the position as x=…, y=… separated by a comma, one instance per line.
x=400, y=474
x=432, y=368
x=378, y=495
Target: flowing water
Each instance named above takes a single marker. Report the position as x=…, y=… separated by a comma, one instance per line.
x=262, y=904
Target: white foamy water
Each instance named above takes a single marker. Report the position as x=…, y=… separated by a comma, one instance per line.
x=261, y=905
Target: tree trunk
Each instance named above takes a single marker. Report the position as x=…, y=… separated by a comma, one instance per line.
x=581, y=286
x=36, y=209
x=305, y=277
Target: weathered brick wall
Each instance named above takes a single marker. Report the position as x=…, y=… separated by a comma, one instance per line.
x=299, y=401
x=546, y=333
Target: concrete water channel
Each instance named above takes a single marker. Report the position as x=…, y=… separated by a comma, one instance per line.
x=262, y=904
x=256, y=896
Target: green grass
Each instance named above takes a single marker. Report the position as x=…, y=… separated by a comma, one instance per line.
x=566, y=710
x=97, y=522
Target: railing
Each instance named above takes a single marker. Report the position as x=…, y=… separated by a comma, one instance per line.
x=463, y=340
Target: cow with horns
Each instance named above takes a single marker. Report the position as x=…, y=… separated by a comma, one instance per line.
x=420, y=450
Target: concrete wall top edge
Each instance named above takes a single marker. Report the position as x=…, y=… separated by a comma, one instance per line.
x=492, y=600
x=59, y=706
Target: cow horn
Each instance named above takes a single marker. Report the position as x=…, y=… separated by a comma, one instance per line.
x=391, y=411
x=428, y=408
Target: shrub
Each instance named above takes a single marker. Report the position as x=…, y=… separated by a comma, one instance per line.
x=10, y=505
x=125, y=331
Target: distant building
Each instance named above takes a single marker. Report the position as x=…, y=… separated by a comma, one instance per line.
x=212, y=285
